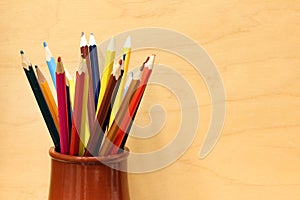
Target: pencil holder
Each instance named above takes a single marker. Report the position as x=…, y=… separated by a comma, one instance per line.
x=86, y=178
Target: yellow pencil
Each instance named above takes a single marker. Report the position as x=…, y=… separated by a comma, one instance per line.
x=71, y=85
x=118, y=99
x=48, y=96
x=108, y=65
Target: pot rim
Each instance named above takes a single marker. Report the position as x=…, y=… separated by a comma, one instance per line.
x=88, y=160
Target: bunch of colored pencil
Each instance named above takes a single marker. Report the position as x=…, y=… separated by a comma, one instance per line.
x=92, y=116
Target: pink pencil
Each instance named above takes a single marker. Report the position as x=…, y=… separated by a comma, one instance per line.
x=62, y=107
x=77, y=114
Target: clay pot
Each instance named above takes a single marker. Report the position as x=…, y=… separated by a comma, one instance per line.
x=86, y=178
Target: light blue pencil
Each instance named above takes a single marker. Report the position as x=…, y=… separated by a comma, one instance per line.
x=51, y=63
x=128, y=81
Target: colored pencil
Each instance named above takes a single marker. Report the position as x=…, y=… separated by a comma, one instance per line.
x=112, y=133
x=62, y=107
x=50, y=63
x=71, y=84
x=84, y=127
x=102, y=119
x=41, y=101
x=126, y=58
x=84, y=49
x=47, y=95
x=69, y=107
x=128, y=81
x=133, y=106
x=77, y=114
x=108, y=65
x=95, y=68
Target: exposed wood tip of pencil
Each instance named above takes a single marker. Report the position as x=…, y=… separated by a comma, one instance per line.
x=92, y=40
x=59, y=67
x=40, y=75
x=150, y=62
x=82, y=67
x=83, y=41
x=127, y=43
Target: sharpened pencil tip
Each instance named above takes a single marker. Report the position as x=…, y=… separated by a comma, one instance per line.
x=59, y=59
x=127, y=43
x=45, y=44
x=21, y=52
x=111, y=45
x=36, y=66
x=82, y=34
x=120, y=62
x=92, y=41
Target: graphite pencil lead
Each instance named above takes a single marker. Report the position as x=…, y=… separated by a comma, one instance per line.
x=83, y=41
x=92, y=41
x=111, y=45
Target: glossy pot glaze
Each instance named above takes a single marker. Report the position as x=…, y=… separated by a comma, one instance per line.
x=86, y=178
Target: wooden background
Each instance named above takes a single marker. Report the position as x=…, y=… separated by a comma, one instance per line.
x=255, y=45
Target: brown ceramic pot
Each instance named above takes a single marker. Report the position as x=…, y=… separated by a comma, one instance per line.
x=86, y=178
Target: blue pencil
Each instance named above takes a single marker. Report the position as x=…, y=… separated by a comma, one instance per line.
x=51, y=63
x=95, y=68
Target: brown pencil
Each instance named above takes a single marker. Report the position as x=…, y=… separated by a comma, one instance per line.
x=112, y=133
x=102, y=119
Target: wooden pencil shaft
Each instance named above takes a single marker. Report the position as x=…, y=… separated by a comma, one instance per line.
x=43, y=107
x=134, y=104
x=102, y=118
x=121, y=145
x=95, y=72
x=69, y=107
x=119, y=117
x=77, y=115
x=50, y=102
x=91, y=104
x=62, y=112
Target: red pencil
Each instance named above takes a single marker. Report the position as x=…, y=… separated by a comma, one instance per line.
x=62, y=107
x=133, y=106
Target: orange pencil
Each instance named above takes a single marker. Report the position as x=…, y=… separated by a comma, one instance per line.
x=48, y=95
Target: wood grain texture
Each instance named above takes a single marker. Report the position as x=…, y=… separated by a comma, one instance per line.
x=255, y=45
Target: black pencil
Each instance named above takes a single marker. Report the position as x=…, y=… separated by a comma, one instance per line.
x=41, y=101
